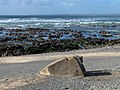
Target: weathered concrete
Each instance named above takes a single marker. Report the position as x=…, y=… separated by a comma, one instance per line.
x=70, y=66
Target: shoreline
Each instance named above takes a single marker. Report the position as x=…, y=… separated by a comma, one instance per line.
x=106, y=51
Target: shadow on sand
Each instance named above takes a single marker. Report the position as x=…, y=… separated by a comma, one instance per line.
x=98, y=73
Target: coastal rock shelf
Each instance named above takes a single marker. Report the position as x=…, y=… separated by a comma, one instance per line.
x=39, y=40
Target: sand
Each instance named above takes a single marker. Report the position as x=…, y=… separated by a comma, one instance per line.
x=22, y=72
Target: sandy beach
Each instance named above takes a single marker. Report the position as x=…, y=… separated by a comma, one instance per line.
x=22, y=72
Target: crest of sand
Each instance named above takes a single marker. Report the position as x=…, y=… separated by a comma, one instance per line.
x=54, y=56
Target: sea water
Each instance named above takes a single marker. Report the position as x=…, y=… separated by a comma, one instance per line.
x=87, y=24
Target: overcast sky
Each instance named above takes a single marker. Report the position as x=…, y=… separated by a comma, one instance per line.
x=39, y=7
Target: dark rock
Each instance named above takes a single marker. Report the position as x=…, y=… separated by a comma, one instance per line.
x=14, y=50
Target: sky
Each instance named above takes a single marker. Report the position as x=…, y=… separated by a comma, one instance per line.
x=47, y=7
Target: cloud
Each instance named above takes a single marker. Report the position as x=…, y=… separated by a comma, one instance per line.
x=72, y=3
x=40, y=2
x=59, y=6
x=55, y=2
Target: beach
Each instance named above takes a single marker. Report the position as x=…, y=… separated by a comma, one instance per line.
x=30, y=43
x=22, y=72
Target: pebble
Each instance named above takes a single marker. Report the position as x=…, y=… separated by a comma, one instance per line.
x=65, y=83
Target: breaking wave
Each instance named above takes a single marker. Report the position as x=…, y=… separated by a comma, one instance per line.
x=55, y=22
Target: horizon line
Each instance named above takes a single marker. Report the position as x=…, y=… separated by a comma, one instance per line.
x=59, y=14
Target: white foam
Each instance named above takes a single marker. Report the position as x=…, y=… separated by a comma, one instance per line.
x=56, y=22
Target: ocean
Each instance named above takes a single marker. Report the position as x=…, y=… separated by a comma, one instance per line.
x=58, y=21
x=86, y=23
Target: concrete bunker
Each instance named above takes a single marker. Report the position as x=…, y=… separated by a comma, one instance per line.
x=68, y=66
